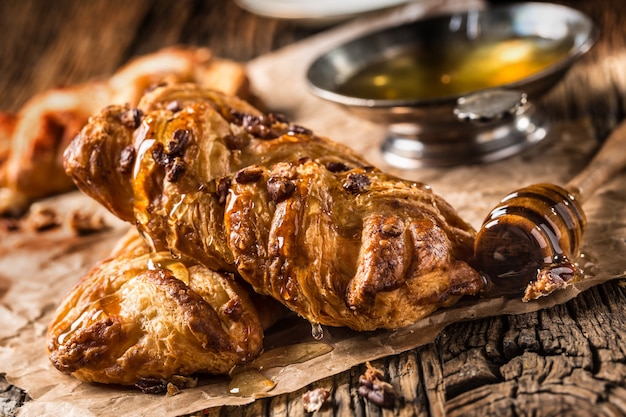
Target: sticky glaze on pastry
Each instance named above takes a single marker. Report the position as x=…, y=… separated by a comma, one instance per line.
x=298, y=216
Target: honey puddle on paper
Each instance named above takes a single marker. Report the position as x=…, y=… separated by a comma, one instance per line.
x=249, y=381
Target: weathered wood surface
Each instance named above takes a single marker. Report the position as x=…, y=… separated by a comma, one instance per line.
x=11, y=398
x=567, y=360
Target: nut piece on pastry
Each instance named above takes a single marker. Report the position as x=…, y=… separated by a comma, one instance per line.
x=125, y=322
x=32, y=168
x=300, y=217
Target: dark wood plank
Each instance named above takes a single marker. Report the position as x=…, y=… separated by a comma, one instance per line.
x=48, y=44
x=62, y=43
x=568, y=360
x=11, y=398
x=596, y=86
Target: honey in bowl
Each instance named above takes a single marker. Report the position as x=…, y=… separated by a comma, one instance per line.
x=449, y=69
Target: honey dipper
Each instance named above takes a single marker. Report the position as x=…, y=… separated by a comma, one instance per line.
x=529, y=242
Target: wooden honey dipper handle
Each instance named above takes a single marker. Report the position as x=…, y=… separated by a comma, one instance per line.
x=610, y=159
x=529, y=242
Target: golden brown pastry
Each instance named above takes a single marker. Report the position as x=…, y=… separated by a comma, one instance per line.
x=133, y=320
x=11, y=203
x=190, y=141
x=354, y=248
x=7, y=126
x=45, y=125
x=300, y=217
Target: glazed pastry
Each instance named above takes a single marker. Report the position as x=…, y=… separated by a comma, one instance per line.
x=190, y=141
x=132, y=320
x=354, y=248
x=7, y=126
x=300, y=217
x=45, y=125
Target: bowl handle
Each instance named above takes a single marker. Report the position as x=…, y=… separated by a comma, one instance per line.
x=491, y=105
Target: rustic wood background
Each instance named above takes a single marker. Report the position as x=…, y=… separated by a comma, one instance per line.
x=567, y=360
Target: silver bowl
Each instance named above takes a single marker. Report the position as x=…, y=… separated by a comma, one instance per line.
x=457, y=88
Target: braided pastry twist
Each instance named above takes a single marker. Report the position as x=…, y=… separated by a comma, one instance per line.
x=303, y=219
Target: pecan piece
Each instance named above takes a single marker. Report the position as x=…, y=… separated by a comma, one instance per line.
x=297, y=129
x=236, y=142
x=336, y=167
x=375, y=389
x=175, y=169
x=179, y=142
x=249, y=174
x=280, y=189
x=356, y=183
x=222, y=187
x=127, y=159
x=131, y=118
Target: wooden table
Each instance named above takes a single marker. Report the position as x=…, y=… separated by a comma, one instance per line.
x=566, y=360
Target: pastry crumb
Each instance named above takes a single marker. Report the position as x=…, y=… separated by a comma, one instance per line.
x=314, y=399
x=172, y=390
x=183, y=382
x=9, y=224
x=83, y=222
x=41, y=218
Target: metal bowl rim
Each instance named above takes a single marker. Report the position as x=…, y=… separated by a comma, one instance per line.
x=575, y=53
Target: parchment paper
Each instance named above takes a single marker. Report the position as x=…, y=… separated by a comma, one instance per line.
x=38, y=268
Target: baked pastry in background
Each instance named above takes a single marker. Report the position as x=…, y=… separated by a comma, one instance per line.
x=32, y=141
x=298, y=216
x=7, y=126
x=131, y=320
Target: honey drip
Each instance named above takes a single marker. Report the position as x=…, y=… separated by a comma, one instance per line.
x=162, y=260
x=106, y=306
x=316, y=331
